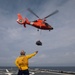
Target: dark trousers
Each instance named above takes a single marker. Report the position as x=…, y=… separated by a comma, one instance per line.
x=23, y=72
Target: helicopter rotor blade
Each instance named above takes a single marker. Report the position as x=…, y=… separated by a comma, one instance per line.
x=51, y=14
x=32, y=12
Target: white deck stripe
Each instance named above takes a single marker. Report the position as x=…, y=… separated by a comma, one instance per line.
x=8, y=72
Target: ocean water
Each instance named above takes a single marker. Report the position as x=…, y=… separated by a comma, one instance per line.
x=15, y=70
x=71, y=68
x=45, y=74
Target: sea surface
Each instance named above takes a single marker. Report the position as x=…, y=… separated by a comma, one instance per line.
x=14, y=70
x=71, y=68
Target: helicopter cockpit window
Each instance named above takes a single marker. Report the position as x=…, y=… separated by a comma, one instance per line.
x=35, y=21
x=46, y=24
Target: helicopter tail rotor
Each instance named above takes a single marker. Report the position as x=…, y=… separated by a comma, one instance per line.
x=20, y=20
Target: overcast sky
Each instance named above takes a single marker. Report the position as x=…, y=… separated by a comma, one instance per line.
x=58, y=47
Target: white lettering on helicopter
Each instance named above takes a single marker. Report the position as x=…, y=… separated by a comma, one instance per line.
x=31, y=23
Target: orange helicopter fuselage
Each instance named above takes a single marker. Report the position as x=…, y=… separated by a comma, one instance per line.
x=40, y=24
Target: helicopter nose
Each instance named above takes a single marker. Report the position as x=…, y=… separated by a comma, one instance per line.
x=52, y=28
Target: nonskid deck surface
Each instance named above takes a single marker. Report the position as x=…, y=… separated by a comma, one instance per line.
x=11, y=72
x=7, y=72
x=35, y=72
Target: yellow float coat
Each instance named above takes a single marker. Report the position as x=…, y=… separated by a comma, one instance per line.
x=22, y=61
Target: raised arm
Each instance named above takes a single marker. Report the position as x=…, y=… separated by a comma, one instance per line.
x=31, y=55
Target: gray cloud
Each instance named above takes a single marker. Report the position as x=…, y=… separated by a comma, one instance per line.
x=58, y=44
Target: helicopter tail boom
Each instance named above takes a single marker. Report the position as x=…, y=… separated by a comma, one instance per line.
x=20, y=20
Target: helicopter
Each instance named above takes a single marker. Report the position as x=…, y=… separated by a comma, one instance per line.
x=39, y=23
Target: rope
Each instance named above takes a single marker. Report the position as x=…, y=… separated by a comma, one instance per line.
x=38, y=47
